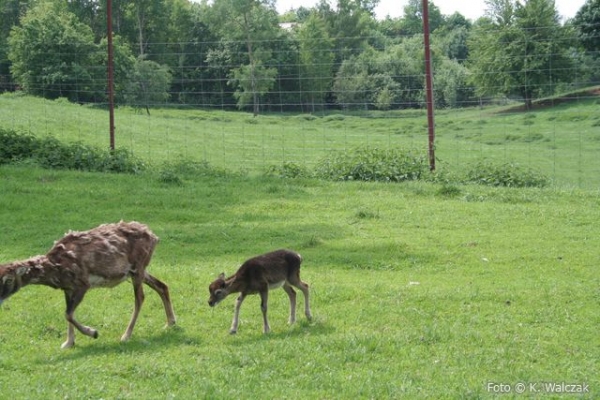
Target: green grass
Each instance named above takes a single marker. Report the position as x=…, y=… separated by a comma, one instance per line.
x=562, y=142
x=418, y=290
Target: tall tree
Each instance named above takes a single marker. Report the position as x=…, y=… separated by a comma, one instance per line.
x=252, y=22
x=350, y=25
x=413, y=17
x=316, y=60
x=520, y=50
x=150, y=20
x=10, y=12
x=190, y=41
x=587, y=24
x=149, y=83
x=51, y=53
x=91, y=13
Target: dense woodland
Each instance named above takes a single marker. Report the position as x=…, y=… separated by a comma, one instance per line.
x=242, y=54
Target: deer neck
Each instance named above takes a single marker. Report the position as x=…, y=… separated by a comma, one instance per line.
x=32, y=271
x=234, y=285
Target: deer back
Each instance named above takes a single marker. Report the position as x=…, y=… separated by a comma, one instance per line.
x=108, y=253
x=272, y=269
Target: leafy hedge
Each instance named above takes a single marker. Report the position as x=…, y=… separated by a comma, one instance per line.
x=373, y=164
x=392, y=165
x=360, y=164
x=51, y=153
x=508, y=174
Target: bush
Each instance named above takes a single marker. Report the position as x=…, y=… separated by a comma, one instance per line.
x=288, y=170
x=53, y=154
x=509, y=174
x=15, y=147
x=373, y=164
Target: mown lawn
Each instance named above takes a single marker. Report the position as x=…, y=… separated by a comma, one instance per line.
x=417, y=291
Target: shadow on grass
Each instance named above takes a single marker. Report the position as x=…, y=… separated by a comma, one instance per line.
x=86, y=347
x=300, y=329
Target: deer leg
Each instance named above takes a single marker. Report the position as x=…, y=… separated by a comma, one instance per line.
x=264, y=298
x=304, y=288
x=73, y=299
x=163, y=291
x=236, y=314
x=70, y=342
x=292, y=295
x=138, y=291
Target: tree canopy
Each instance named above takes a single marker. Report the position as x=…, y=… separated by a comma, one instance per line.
x=241, y=54
x=520, y=50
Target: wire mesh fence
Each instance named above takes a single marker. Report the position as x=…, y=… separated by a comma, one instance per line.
x=209, y=102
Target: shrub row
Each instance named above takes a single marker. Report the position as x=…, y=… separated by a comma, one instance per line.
x=372, y=164
x=507, y=174
x=360, y=164
x=49, y=152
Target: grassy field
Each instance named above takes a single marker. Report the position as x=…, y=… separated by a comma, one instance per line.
x=417, y=292
x=562, y=142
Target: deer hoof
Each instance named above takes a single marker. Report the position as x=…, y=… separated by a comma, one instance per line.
x=232, y=331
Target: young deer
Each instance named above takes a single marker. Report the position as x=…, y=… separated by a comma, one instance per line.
x=101, y=257
x=259, y=275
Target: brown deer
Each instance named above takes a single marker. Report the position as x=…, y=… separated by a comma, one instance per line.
x=279, y=268
x=101, y=257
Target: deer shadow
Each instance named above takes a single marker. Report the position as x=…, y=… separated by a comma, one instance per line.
x=172, y=336
x=298, y=330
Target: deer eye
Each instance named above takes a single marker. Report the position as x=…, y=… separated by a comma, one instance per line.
x=218, y=292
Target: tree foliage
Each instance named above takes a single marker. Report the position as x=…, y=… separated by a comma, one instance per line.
x=148, y=84
x=413, y=17
x=520, y=50
x=587, y=24
x=51, y=53
x=252, y=22
x=316, y=60
x=336, y=54
x=10, y=11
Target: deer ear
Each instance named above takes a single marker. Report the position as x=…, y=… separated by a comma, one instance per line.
x=222, y=275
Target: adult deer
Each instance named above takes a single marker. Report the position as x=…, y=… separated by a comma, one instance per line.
x=101, y=257
x=260, y=274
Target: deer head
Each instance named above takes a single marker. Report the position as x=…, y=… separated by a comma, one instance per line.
x=217, y=290
x=10, y=281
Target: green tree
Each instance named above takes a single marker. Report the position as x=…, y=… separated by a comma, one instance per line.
x=451, y=38
x=252, y=81
x=349, y=25
x=413, y=17
x=520, y=50
x=51, y=53
x=351, y=85
x=190, y=41
x=451, y=85
x=91, y=13
x=149, y=84
x=253, y=23
x=10, y=12
x=316, y=60
x=387, y=79
x=587, y=24
x=123, y=65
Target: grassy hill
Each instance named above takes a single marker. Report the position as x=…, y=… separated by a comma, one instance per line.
x=562, y=141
